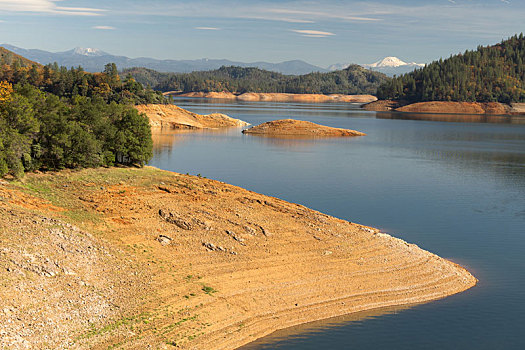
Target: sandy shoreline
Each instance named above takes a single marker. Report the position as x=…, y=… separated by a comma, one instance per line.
x=194, y=262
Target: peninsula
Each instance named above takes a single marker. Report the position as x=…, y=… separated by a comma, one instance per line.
x=130, y=257
x=488, y=80
x=173, y=117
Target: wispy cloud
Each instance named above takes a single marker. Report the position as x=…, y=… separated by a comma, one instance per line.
x=207, y=28
x=104, y=27
x=47, y=6
x=286, y=11
x=320, y=14
x=312, y=33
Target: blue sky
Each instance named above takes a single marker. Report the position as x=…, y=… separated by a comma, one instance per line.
x=319, y=32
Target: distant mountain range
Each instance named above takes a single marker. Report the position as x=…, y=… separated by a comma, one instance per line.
x=93, y=60
x=389, y=65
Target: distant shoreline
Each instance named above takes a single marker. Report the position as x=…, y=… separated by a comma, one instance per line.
x=276, y=97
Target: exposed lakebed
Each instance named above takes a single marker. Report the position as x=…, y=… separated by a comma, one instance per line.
x=455, y=189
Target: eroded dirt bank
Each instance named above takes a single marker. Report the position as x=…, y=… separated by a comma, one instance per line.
x=173, y=117
x=142, y=257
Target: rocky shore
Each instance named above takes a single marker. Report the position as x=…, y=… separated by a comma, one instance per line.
x=138, y=258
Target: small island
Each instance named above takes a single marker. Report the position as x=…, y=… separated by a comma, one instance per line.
x=292, y=127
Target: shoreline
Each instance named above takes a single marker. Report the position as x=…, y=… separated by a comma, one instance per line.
x=209, y=264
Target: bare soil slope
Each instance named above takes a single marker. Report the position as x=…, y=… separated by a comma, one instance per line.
x=456, y=107
x=292, y=127
x=144, y=258
x=173, y=117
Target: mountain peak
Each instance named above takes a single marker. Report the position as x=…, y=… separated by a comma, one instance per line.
x=388, y=62
x=87, y=51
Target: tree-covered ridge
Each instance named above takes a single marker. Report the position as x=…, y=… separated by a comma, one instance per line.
x=9, y=57
x=352, y=80
x=53, y=118
x=489, y=74
x=73, y=82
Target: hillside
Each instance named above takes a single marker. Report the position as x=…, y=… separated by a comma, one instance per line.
x=489, y=74
x=352, y=80
x=8, y=57
x=55, y=118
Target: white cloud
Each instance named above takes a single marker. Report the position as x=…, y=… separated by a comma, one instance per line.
x=104, y=27
x=46, y=6
x=312, y=33
x=207, y=28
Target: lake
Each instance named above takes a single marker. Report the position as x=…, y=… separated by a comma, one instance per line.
x=453, y=185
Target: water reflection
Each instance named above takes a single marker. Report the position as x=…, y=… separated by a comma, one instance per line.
x=456, y=118
x=308, y=329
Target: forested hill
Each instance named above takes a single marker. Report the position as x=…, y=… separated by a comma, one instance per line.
x=352, y=80
x=53, y=118
x=7, y=58
x=489, y=74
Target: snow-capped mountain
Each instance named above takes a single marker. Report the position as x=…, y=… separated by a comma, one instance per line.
x=88, y=51
x=392, y=62
x=388, y=65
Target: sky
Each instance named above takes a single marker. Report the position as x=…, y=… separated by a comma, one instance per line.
x=319, y=32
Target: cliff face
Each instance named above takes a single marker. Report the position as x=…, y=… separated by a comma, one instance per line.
x=173, y=117
x=291, y=127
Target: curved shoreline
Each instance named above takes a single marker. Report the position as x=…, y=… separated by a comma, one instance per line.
x=216, y=266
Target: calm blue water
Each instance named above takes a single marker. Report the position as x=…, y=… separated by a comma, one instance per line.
x=456, y=189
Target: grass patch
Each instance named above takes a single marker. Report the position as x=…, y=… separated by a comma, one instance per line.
x=208, y=290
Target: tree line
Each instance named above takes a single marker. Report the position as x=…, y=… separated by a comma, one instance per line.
x=352, y=80
x=54, y=118
x=489, y=74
